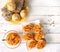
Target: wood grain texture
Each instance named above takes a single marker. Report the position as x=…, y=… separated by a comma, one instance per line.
x=48, y=12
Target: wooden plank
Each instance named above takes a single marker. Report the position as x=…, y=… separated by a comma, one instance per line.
x=47, y=28
x=48, y=48
x=44, y=2
x=40, y=2
x=51, y=23
x=43, y=18
x=45, y=10
x=50, y=38
x=53, y=38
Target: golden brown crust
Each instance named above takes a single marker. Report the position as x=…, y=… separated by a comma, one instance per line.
x=31, y=44
x=28, y=36
x=38, y=36
x=28, y=27
x=23, y=13
x=37, y=28
x=41, y=44
x=16, y=17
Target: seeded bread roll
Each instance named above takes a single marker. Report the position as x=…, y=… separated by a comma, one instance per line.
x=6, y=14
x=16, y=17
x=11, y=6
x=19, y=5
x=23, y=13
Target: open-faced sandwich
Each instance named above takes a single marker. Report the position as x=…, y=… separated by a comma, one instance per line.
x=34, y=35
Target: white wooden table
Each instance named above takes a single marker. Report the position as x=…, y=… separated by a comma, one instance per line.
x=47, y=11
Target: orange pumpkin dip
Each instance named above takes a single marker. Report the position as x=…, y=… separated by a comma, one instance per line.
x=13, y=38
